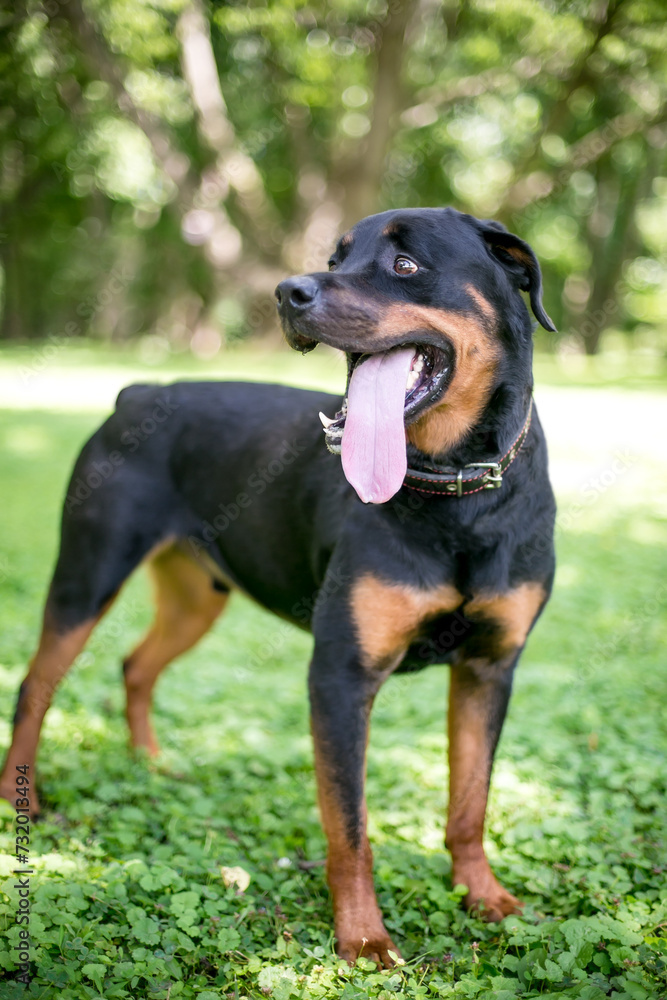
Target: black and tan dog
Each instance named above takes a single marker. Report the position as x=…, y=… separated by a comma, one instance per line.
x=428, y=541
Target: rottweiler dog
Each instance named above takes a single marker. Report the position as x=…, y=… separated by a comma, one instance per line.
x=409, y=523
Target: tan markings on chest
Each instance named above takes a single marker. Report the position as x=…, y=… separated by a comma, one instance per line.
x=387, y=616
x=477, y=355
x=513, y=612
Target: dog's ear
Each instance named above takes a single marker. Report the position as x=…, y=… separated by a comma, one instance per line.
x=519, y=261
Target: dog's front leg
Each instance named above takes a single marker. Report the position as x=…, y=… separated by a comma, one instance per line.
x=479, y=692
x=341, y=696
x=478, y=697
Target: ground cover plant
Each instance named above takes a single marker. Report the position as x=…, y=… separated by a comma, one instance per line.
x=194, y=877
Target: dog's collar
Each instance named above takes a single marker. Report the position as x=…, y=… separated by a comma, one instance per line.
x=471, y=478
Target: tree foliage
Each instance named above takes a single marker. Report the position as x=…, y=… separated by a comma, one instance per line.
x=165, y=162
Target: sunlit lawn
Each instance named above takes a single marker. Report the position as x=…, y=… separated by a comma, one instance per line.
x=129, y=899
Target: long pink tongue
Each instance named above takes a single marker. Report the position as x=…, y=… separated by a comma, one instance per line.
x=373, y=449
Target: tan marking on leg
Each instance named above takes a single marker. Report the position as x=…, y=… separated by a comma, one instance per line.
x=186, y=607
x=358, y=921
x=514, y=612
x=387, y=616
x=475, y=696
x=55, y=654
x=477, y=355
x=470, y=758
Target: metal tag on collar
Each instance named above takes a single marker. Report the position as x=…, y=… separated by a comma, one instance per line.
x=492, y=478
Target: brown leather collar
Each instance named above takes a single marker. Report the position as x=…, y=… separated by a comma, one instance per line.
x=471, y=478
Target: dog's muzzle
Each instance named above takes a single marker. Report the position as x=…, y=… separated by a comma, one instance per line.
x=295, y=296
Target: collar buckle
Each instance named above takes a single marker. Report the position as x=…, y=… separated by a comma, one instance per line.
x=493, y=477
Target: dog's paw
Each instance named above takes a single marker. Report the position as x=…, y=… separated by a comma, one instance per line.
x=376, y=947
x=486, y=897
x=495, y=906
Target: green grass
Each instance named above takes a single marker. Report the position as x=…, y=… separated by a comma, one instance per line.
x=129, y=900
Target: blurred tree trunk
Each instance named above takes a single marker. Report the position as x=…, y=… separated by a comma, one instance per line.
x=609, y=250
x=14, y=305
x=232, y=169
x=199, y=206
x=332, y=201
x=557, y=116
x=102, y=65
x=251, y=260
x=361, y=175
x=24, y=314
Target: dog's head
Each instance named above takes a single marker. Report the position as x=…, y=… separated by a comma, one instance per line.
x=426, y=304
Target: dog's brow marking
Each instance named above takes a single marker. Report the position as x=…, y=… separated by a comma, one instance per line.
x=513, y=612
x=387, y=616
x=443, y=426
x=483, y=304
x=346, y=240
x=391, y=229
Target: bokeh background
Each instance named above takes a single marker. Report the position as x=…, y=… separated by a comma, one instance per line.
x=163, y=164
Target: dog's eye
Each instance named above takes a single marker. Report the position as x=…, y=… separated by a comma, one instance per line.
x=331, y=265
x=403, y=265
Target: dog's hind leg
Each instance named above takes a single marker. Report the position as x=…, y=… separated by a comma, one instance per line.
x=186, y=606
x=106, y=532
x=55, y=654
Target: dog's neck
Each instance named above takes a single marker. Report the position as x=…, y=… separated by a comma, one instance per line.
x=447, y=437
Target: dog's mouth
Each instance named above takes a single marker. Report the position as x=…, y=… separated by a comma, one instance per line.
x=426, y=383
x=386, y=392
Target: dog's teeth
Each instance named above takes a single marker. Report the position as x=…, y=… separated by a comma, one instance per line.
x=326, y=421
x=413, y=378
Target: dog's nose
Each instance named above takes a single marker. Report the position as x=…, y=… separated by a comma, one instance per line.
x=299, y=293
